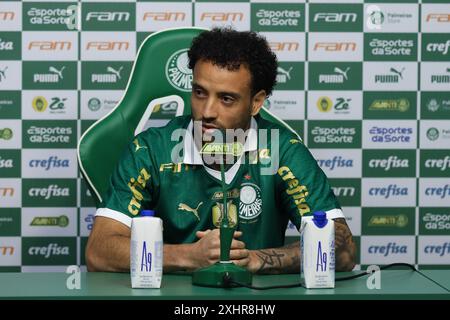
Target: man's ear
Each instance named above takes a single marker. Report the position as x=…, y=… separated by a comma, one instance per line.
x=258, y=101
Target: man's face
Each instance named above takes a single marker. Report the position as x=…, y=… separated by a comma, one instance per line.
x=222, y=98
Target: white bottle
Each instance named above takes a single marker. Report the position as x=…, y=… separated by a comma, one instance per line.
x=317, y=249
x=146, y=251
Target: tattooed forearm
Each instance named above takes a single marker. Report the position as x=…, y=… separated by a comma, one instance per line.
x=345, y=247
x=279, y=260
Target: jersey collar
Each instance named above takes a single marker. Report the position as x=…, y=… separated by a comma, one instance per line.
x=192, y=155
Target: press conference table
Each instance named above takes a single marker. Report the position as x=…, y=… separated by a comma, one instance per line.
x=395, y=284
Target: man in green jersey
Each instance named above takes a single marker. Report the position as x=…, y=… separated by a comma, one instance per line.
x=274, y=180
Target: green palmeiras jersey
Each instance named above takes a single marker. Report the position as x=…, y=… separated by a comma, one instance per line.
x=274, y=181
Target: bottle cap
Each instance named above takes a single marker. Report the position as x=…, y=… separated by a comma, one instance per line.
x=147, y=213
x=320, y=219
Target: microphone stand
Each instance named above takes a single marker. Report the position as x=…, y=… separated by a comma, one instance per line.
x=213, y=276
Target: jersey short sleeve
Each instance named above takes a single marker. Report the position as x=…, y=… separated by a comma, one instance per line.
x=131, y=185
x=302, y=186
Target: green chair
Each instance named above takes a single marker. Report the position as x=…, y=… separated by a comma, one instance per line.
x=160, y=79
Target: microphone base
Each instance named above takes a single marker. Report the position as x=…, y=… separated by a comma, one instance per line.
x=213, y=276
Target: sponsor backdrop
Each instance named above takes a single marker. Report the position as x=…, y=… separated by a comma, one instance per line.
x=365, y=83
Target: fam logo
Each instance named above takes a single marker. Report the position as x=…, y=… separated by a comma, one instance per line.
x=6, y=134
x=112, y=75
x=443, y=78
x=7, y=15
x=50, y=46
x=107, y=45
x=220, y=16
x=335, y=17
x=7, y=250
x=397, y=134
x=178, y=73
x=440, y=192
x=55, y=75
x=284, y=46
x=164, y=16
x=250, y=204
x=108, y=16
x=337, y=162
x=340, y=106
x=7, y=191
x=49, y=163
x=335, y=46
x=438, y=17
x=61, y=221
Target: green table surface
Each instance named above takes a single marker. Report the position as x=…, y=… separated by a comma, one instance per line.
x=440, y=276
x=395, y=284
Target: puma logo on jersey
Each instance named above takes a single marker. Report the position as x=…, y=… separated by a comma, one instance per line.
x=185, y=207
x=138, y=147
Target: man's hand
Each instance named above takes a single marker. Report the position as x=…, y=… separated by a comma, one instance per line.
x=206, y=251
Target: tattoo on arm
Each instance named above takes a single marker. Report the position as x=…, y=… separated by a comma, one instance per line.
x=280, y=260
x=345, y=247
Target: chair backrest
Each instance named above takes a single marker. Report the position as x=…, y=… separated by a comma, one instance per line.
x=159, y=75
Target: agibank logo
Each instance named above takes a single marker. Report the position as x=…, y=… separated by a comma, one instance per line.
x=178, y=73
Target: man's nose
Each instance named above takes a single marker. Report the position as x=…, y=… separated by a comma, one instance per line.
x=210, y=109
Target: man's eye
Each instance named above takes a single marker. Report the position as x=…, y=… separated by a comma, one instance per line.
x=227, y=100
x=199, y=92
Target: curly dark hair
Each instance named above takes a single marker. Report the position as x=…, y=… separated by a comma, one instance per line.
x=228, y=48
